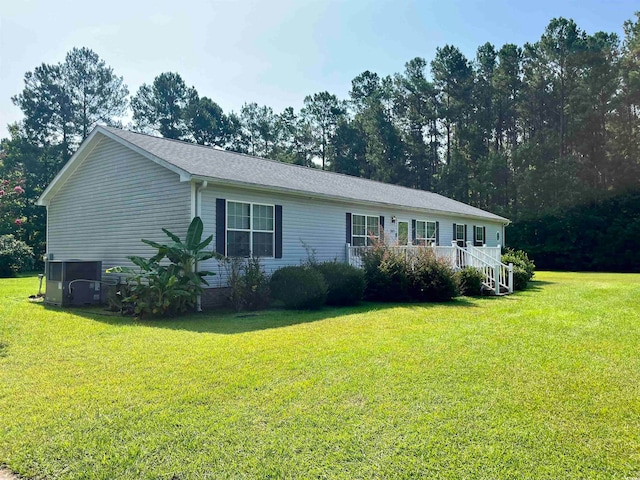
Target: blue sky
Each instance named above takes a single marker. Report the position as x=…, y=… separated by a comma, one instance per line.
x=271, y=52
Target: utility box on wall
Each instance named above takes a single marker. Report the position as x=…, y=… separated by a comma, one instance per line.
x=73, y=283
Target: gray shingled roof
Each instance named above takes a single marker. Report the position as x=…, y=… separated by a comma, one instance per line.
x=206, y=162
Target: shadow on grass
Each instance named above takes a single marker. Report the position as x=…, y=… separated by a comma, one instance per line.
x=537, y=285
x=229, y=323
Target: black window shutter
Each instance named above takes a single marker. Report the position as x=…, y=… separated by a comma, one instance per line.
x=473, y=232
x=221, y=224
x=348, y=229
x=413, y=231
x=455, y=232
x=382, y=222
x=465, y=235
x=437, y=233
x=278, y=246
x=484, y=235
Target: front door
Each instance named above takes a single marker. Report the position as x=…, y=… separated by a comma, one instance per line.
x=403, y=233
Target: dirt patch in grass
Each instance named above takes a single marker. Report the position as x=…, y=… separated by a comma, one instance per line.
x=6, y=474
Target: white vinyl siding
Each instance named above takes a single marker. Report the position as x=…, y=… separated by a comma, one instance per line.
x=114, y=199
x=310, y=226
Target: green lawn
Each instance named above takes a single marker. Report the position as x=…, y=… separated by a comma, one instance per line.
x=540, y=384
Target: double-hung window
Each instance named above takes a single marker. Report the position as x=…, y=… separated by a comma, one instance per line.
x=365, y=230
x=479, y=235
x=250, y=229
x=460, y=234
x=425, y=233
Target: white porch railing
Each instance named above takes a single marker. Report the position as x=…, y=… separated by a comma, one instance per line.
x=498, y=277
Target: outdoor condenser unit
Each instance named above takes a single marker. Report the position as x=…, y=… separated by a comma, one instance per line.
x=73, y=283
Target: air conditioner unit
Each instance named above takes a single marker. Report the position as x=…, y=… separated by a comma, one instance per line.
x=73, y=283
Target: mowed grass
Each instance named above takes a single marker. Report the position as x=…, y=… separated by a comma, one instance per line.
x=540, y=384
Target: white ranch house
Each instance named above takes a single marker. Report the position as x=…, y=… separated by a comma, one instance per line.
x=121, y=186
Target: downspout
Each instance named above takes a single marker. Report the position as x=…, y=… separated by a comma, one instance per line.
x=198, y=213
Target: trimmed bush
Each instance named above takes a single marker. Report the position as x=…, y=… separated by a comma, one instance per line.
x=432, y=280
x=523, y=267
x=345, y=284
x=470, y=281
x=299, y=288
x=15, y=256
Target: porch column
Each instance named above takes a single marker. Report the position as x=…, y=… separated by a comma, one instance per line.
x=454, y=253
x=511, y=278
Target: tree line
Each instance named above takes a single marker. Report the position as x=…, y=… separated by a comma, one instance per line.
x=523, y=131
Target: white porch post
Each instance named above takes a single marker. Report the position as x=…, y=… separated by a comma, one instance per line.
x=511, y=278
x=468, y=260
x=347, y=253
x=454, y=253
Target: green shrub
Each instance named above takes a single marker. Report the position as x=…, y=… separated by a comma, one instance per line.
x=15, y=256
x=256, y=284
x=161, y=289
x=248, y=283
x=345, y=284
x=523, y=267
x=431, y=280
x=299, y=288
x=470, y=281
x=386, y=274
x=396, y=276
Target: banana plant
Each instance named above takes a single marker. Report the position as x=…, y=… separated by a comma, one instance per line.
x=158, y=288
x=187, y=254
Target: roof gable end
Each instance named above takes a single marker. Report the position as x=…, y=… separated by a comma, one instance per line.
x=98, y=134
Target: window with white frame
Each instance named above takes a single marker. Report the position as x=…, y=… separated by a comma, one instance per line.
x=425, y=233
x=365, y=230
x=250, y=229
x=460, y=232
x=479, y=235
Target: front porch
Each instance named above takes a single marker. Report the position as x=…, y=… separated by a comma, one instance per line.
x=498, y=277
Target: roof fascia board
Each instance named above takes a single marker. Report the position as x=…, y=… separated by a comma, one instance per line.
x=338, y=199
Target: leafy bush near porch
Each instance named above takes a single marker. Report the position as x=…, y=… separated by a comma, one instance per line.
x=395, y=276
x=15, y=256
x=386, y=273
x=345, y=283
x=431, y=280
x=299, y=288
x=469, y=281
x=248, y=283
x=523, y=267
x=167, y=289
